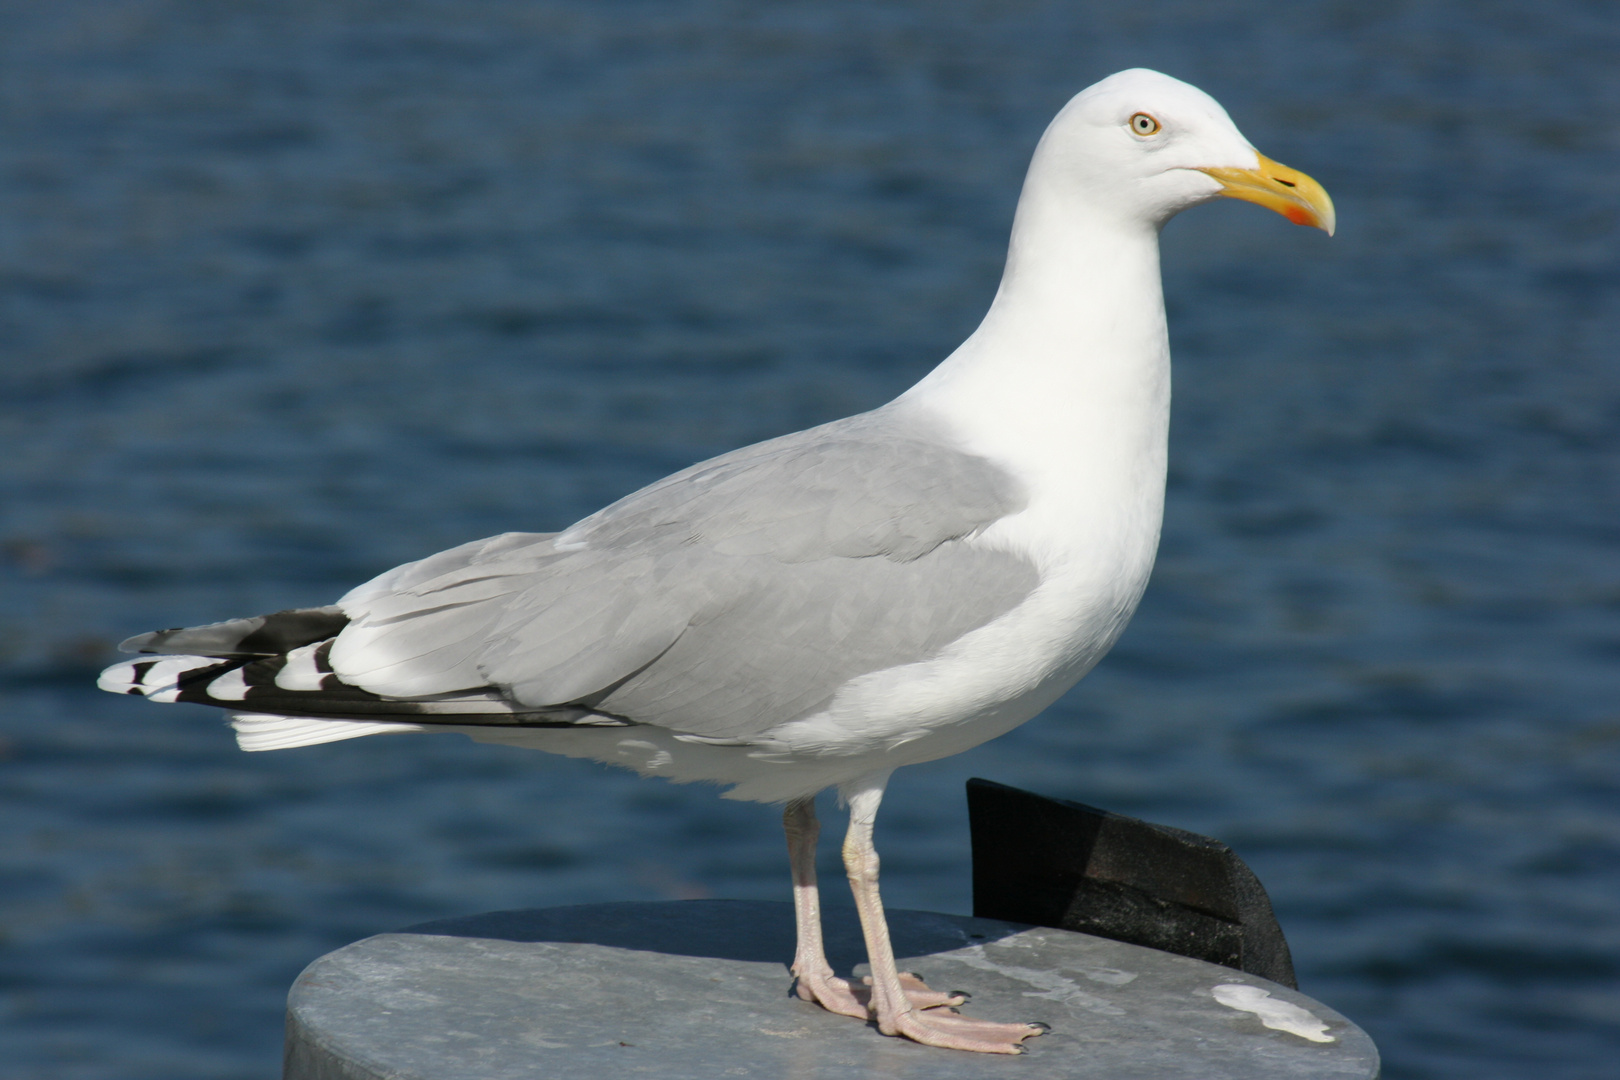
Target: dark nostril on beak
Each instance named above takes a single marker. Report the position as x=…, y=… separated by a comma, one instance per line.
x=1284, y=183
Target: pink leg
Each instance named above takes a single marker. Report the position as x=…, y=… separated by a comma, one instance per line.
x=894, y=1012
x=814, y=976
x=815, y=980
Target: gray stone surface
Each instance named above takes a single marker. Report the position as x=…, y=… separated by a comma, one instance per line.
x=697, y=990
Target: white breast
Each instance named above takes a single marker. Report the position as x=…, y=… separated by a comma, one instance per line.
x=1066, y=386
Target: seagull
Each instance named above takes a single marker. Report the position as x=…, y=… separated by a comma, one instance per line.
x=817, y=610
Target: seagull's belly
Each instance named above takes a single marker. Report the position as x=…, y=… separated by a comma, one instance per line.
x=993, y=678
x=982, y=685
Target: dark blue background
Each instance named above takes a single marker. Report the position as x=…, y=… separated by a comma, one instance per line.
x=293, y=291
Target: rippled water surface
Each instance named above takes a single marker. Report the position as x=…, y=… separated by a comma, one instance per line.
x=291, y=292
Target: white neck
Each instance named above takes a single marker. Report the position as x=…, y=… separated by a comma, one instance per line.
x=1067, y=381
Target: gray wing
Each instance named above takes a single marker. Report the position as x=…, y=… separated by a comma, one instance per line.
x=724, y=600
x=778, y=639
x=866, y=486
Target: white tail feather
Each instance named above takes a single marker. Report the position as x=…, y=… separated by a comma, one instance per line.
x=261, y=731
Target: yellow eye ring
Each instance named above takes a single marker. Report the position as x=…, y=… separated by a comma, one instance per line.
x=1143, y=124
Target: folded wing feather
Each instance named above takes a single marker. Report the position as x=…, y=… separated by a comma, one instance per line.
x=728, y=598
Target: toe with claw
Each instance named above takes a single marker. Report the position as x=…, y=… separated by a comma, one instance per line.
x=953, y=1031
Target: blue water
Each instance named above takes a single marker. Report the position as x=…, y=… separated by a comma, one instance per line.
x=293, y=291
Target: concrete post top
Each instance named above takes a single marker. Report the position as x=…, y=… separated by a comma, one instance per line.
x=699, y=989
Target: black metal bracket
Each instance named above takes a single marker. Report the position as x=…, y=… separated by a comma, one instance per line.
x=1052, y=862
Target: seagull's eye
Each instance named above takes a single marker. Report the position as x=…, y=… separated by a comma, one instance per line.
x=1143, y=124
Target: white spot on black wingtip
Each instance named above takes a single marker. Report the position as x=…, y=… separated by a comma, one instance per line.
x=301, y=669
x=231, y=686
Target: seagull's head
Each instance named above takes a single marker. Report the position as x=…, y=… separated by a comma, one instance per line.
x=1149, y=146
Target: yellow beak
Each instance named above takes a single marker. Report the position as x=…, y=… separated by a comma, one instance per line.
x=1288, y=191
